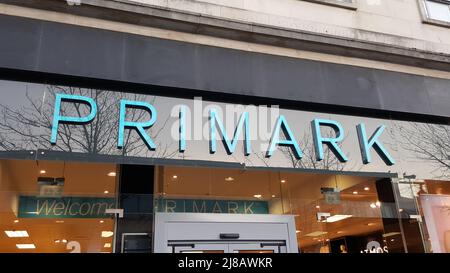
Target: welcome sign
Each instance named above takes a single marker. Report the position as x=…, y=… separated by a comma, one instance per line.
x=64, y=207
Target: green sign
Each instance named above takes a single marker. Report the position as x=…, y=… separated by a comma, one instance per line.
x=64, y=207
x=211, y=206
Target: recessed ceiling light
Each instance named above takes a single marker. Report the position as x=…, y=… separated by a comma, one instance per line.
x=229, y=179
x=175, y=176
x=25, y=246
x=112, y=174
x=317, y=207
x=370, y=224
x=391, y=234
x=106, y=192
x=107, y=245
x=16, y=221
x=337, y=217
x=392, y=240
x=316, y=233
x=106, y=234
x=273, y=195
x=355, y=192
x=283, y=181
x=57, y=241
x=16, y=233
x=101, y=221
x=366, y=188
x=59, y=221
x=257, y=195
x=64, y=240
x=42, y=171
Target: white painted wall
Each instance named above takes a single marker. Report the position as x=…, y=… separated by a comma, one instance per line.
x=395, y=22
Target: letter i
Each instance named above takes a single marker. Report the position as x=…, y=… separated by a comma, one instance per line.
x=182, y=129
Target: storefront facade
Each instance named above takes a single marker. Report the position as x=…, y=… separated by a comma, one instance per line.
x=117, y=142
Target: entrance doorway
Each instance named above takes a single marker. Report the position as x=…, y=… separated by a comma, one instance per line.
x=224, y=233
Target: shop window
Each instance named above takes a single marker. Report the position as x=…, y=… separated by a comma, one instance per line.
x=56, y=206
x=436, y=11
x=433, y=198
x=333, y=213
x=349, y=4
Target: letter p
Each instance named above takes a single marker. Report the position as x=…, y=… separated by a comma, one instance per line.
x=58, y=118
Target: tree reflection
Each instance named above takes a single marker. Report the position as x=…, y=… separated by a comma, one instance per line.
x=429, y=142
x=28, y=127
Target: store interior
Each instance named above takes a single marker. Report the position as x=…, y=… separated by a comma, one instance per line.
x=57, y=234
x=334, y=213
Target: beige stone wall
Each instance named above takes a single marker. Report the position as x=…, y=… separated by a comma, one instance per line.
x=394, y=22
x=213, y=41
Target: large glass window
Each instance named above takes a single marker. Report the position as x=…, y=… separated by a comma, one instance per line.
x=333, y=213
x=56, y=207
x=433, y=202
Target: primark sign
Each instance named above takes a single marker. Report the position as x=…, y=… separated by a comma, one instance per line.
x=141, y=115
x=48, y=122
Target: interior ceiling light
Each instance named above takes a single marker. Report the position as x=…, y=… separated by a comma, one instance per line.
x=112, y=174
x=229, y=179
x=337, y=217
x=107, y=245
x=42, y=171
x=16, y=233
x=283, y=181
x=257, y=195
x=106, y=234
x=175, y=176
x=391, y=234
x=316, y=233
x=355, y=192
x=366, y=188
x=25, y=246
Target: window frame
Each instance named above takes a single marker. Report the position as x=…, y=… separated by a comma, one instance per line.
x=424, y=13
x=336, y=3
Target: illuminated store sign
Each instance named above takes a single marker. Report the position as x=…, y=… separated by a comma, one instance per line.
x=212, y=206
x=64, y=207
x=281, y=135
